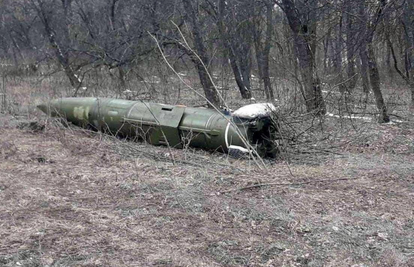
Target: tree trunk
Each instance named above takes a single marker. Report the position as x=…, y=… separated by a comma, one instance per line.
x=364, y=69
x=388, y=62
x=208, y=87
x=241, y=73
x=63, y=59
x=61, y=55
x=263, y=51
x=304, y=36
x=363, y=49
x=350, y=47
x=326, y=44
x=338, y=58
x=239, y=62
x=412, y=95
x=367, y=31
x=265, y=68
x=376, y=85
x=408, y=21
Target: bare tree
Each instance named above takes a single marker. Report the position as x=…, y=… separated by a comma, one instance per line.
x=202, y=60
x=367, y=31
x=235, y=33
x=263, y=44
x=44, y=10
x=338, y=49
x=350, y=45
x=301, y=16
x=406, y=21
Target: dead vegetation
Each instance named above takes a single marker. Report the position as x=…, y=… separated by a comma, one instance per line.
x=76, y=198
x=340, y=194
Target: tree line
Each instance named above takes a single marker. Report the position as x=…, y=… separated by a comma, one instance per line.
x=357, y=43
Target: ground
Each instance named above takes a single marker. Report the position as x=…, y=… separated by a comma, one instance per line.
x=75, y=198
x=342, y=194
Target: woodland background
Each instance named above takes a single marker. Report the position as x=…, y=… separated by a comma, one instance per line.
x=273, y=49
x=340, y=193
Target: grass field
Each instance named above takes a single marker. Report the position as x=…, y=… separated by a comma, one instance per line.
x=341, y=195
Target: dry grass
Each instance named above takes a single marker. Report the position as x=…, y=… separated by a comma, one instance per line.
x=343, y=196
x=70, y=198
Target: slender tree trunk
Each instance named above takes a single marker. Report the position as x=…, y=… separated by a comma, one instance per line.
x=350, y=47
x=338, y=58
x=376, y=85
x=304, y=36
x=388, y=63
x=409, y=36
x=412, y=95
x=61, y=55
x=122, y=78
x=363, y=48
x=311, y=83
x=239, y=59
x=244, y=60
x=241, y=70
x=364, y=68
x=209, y=90
x=367, y=31
x=237, y=72
x=266, y=73
x=326, y=44
x=263, y=51
x=112, y=9
x=406, y=75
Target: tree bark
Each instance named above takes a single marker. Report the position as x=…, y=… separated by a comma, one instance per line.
x=61, y=55
x=304, y=36
x=409, y=36
x=263, y=51
x=208, y=87
x=364, y=69
x=368, y=29
x=376, y=85
x=350, y=48
x=239, y=62
x=338, y=57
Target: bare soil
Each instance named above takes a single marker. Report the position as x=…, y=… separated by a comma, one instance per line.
x=75, y=198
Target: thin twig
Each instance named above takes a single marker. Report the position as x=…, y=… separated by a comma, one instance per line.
x=245, y=142
x=286, y=184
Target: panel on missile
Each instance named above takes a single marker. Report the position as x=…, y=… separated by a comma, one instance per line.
x=168, y=119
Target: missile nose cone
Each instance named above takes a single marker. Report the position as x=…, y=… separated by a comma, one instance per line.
x=43, y=108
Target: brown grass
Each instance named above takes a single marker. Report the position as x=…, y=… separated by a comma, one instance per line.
x=342, y=196
x=72, y=198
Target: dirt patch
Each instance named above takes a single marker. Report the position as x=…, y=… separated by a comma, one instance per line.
x=74, y=198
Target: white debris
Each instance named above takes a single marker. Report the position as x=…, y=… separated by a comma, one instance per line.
x=239, y=148
x=349, y=117
x=395, y=121
x=255, y=110
x=383, y=236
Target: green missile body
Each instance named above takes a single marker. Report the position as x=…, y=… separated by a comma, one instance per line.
x=175, y=126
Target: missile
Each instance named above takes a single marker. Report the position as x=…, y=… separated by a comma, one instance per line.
x=250, y=127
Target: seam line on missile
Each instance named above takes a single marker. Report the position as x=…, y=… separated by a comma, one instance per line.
x=130, y=110
x=208, y=121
